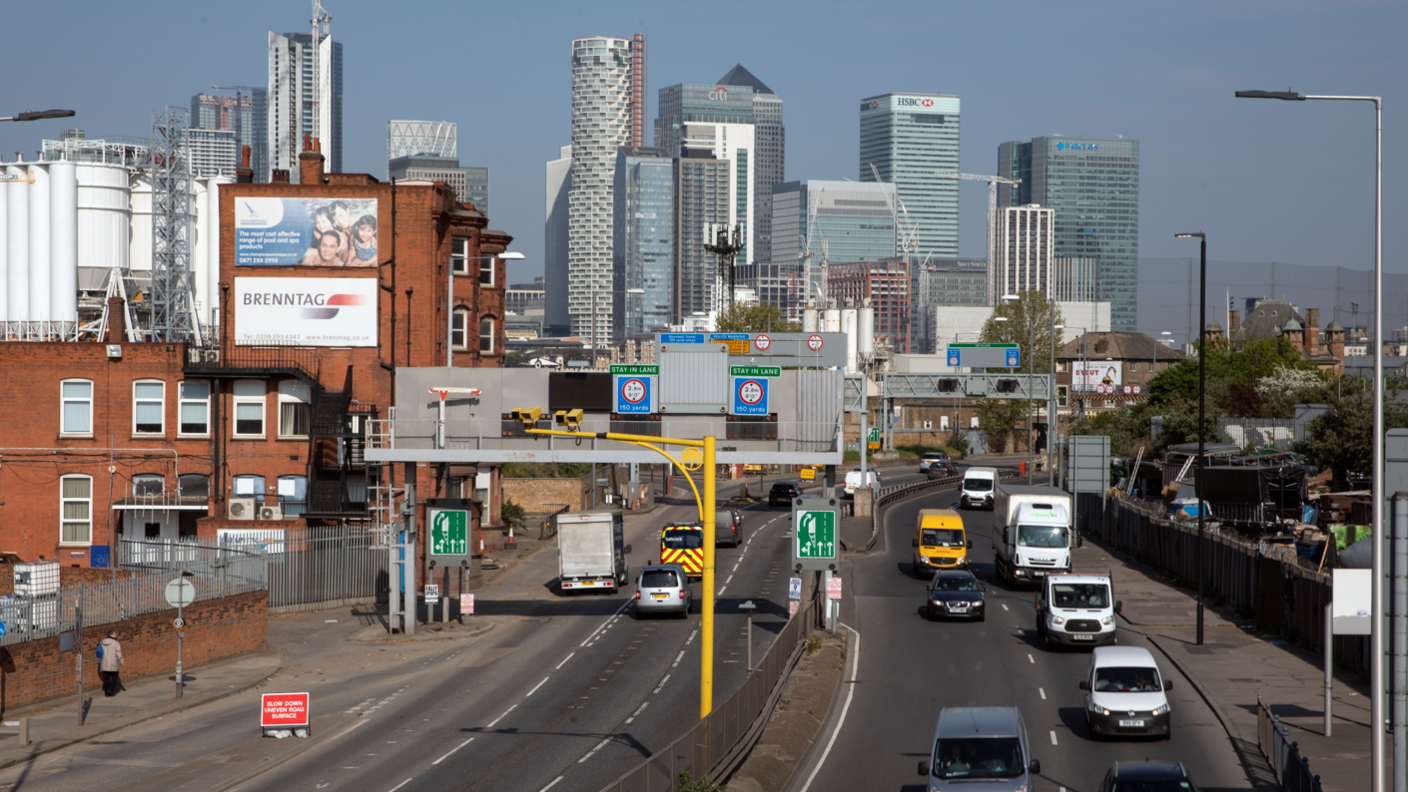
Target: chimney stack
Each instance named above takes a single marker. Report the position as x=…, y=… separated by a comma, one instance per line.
x=244, y=174
x=278, y=176
x=1234, y=322
x=117, y=321
x=310, y=162
x=1312, y=331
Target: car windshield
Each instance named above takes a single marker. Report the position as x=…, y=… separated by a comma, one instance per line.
x=1152, y=785
x=978, y=757
x=1133, y=679
x=1080, y=595
x=682, y=539
x=659, y=578
x=977, y=484
x=1042, y=536
x=941, y=537
x=955, y=584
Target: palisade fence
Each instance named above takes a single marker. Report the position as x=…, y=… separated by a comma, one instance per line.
x=303, y=568
x=1291, y=768
x=1284, y=592
x=719, y=743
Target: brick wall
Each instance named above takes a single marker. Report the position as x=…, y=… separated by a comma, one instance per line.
x=540, y=496
x=215, y=629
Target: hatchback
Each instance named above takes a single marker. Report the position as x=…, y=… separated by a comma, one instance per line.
x=941, y=468
x=728, y=527
x=930, y=457
x=783, y=493
x=663, y=588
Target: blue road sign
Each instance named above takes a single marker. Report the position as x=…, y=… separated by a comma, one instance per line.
x=955, y=357
x=681, y=338
x=633, y=394
x=1014, y=357
x=750, y=396
x=2, y=628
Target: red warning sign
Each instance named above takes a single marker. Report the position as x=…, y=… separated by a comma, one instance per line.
x=283, y=710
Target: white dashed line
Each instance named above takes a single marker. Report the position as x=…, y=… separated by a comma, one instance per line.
x=598, y=747
x=607, y=623
x=678, y=659
x=721, y=591
x=1004, y=607
x=1042, y=691
x=690, y=639
x=550, y=784
x=452, y=750
x=398, y=786
x=546, y=678
x=564, y=661
x=1029, y=657
x=1053, y=736
x=643, y=705
x=495, y=721
x=662, y=683
x=730, y=580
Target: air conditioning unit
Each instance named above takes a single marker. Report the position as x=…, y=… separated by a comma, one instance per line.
x=242, y=508
x=271, y=513
x=212, y=355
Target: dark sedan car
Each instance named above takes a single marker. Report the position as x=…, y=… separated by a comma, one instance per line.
x=783, y=493
x=1148, y=777
x=941, y=468
x=956, y=594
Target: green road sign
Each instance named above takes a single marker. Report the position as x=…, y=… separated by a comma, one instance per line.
x=449, y=533
x=816, y=534
x=874, y=434
x=755, y=371
x=638, y=369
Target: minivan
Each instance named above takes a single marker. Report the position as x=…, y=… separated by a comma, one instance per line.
x=939, y=542
x=987, y=744
x=978, y=486
x=1124, y=693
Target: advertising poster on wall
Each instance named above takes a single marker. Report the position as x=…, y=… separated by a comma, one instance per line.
x=1088, y=375
x=305, y=232
x=314, y=312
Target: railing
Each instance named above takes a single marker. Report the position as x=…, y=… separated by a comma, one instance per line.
x=259, y=358
x=1292, y=770
x=477, y=434
x=41, y=331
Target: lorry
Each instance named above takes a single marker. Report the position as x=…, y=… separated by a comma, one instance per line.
x=591, y=551
x=1031, y=532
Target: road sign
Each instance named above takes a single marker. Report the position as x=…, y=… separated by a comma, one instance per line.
x=692, y=458
x=874, y=436
x=180, y=593
x=982, y=355
x=638, y=369
x=2, y=628
x=750, y=396
x=1013, y=356
x=737, y=343
x=833, y=588
x=1137, y=390
x=432, y=593
x=634, y=394
x=449, y=533
x=755, y=371
x=814, y=540
x=466, y=604
x=762, y=342
x=955, y=357
x=808, y=473
x=794, y=588
x=283, y=710
x=792, y=608
x=178, y=623
x=815, y=342
x=681, y=338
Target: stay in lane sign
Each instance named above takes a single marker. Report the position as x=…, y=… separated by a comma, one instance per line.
x=633, y=394
x=750, y=396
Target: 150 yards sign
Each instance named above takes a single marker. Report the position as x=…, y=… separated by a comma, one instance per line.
x=750, y=396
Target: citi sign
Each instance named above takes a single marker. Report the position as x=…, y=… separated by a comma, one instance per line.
x=718, y=95
x=1077, y=146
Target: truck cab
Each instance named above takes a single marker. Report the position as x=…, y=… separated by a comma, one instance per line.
x=1076, y=610
x=1036, y=543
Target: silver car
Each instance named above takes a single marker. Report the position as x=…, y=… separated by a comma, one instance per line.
x=663, y=588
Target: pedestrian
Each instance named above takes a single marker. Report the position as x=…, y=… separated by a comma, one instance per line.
x=109, y=664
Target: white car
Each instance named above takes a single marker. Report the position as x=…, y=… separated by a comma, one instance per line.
x=1124, y=694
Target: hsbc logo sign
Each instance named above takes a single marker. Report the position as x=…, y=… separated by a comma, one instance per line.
x=868, y=106
x=914, y=101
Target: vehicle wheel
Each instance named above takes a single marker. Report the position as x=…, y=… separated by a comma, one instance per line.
x=1050, y=642
x=982, y=617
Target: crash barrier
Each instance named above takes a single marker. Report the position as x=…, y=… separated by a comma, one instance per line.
x=1292, y=770
x=720, y=742
x=1284, y=592
x=889, y=495
x=303, y=568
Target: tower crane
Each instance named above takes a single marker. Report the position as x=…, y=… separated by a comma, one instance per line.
x=239, y=98
x=992, y=181
x=806, y=257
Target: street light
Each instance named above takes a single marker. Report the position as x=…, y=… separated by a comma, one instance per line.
x=450, y=298
x=1202, y=403
x=39, y=115
x=1376, y=638
x=1053, y=420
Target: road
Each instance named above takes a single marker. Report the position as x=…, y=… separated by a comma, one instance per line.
x=910, y=668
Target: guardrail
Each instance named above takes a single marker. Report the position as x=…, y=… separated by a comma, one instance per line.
x=1292, y=770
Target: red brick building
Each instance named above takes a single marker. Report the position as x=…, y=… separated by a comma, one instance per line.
x=264, y=426
x=885, y=284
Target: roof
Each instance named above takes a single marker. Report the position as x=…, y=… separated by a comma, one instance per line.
x=1267, y=320
x=1119, y=346
x=1334, y=326
x=1117, y=655
x=1130, y=771
x=967, y=721
x=741, y=76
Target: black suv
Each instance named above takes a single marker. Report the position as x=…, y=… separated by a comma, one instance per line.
x=783, y=493
x=1148, y=777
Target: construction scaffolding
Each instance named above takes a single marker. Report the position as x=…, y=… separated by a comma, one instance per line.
x=173, y=317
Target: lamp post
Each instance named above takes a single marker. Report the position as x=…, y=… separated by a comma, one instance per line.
x=1202, y=405
x=39, y=115
x=450, y=301
x=1376, y=639
x=1053, y=421
x=1031, y=373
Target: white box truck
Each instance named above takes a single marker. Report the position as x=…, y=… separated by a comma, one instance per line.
x=1031, y=533
x=591, y=554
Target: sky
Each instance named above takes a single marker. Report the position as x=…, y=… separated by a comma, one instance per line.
x=1266, y=180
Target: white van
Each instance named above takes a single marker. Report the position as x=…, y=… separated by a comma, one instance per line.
x=855, y=479
x=1124, y=694
x=979, y=484
x=1076, y=610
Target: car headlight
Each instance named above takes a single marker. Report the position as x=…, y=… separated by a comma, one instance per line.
x=1163, y=710
x=1058, y=620
x=1097, y=709
x=1108, y=620
x=962, y=560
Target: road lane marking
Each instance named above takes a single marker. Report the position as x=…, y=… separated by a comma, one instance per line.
x=690, y=639
x=545, y=681
x=678, y=659
x=598, y=747
x=1053, y=736
x=721, y=591
x=1042, y=691
x=641, y=709
x=1004, y=607
x=605, y=624
x=564, y=661
x=452, y=750
x=730, y=580
x=501, y=717
x=550, y=784
x=850, y=693
x=662, y=683
x=398, y=786
x=1029, y=657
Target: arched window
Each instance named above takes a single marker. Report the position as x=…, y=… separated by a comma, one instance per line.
x=195, y=485
x=295, y=410
x=149, y=407
x=148, y=484
x=486, y=334
x=458, y=322
x=248, y=486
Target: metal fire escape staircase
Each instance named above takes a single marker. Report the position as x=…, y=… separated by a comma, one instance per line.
x=327, y=486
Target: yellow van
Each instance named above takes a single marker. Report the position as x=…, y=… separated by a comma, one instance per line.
x=939, y=542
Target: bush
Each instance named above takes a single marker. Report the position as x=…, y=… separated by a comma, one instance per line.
x=512, y=514
x=688, y=784
x=545, y=470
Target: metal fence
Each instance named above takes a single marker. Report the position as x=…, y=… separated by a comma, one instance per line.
x=1292, y=770
x=719, y=743
x=303, y=568
x=1257, y=432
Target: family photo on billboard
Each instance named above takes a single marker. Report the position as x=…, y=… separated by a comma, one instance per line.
x=307, y=232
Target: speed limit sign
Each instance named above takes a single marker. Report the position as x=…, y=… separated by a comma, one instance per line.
x=178, y=623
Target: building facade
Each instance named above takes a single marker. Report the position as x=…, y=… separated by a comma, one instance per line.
x=734, y=143
x=695, y=103
x=943, y=283
x=557, y=322
x=213, y=152
x=643, y=249
x=834, y=221
x=246, y=113
x=882, y=284
x=1092, y=184
x=703, y=195
x=1022, y=255
x=302, y=102
x=770, y=154
x=908, y=138
x=471, y=185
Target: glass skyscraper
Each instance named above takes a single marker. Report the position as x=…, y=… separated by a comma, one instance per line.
x=705, y=104
x=644, y=249
x=770, y=147
x=1093, y=185
x=908, y=138
x=844, y=221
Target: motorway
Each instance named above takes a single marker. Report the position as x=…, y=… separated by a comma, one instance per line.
x=910, y=668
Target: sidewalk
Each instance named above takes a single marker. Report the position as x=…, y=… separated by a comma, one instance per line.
x=1236, y=665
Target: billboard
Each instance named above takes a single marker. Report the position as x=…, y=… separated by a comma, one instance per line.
x=314, y=312
x=1085, y=376
x=305, y=232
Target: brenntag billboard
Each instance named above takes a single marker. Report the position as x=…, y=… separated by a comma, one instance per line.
x=315, y=312
x=305, y=232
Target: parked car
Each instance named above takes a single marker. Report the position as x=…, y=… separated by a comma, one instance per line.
x=929, y=457
x=1125, y=694
x=783, y=493
x=663, y=588
x=956, y=594
x=1142, y=776
x=728, y=527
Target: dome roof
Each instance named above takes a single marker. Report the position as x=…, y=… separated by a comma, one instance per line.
x=1292, y=325
x=1334, y=326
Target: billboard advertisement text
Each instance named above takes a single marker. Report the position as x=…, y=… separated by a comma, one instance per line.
x=305, y=232
x=315, y=312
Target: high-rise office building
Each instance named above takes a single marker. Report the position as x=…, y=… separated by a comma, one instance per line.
x=1022, y=258
x=1093, y=186
x=735, y=143
x=694, y=103
x=246, y=113
x=608, y=93
x=643, y=250
x=908, y=138
x=557, y=322
x=431, y=138
x=213, y=152
x=302, y=101
x=835, y=221
x=943, y=283
x=769, y=157
x=471, y=185
x=703, y=195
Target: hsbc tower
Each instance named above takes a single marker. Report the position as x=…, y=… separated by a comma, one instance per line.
x=907, y=138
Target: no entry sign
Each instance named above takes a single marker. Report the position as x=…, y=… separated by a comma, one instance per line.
x=283, y=710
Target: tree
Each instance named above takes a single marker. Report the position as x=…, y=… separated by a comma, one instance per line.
x=760, y=317
x=1286, y=387
x=1244, y=364
x=998, y=417
x=1027, y=322
x=1342, y=438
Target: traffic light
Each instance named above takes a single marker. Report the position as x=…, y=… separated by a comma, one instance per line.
x=948, y=385
x=1006, y=386
x=527, y=416
x=570, y=420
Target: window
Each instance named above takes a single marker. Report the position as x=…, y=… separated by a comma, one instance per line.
x=76, y=506
x=1133, y=365
x=250, y=487
x=194, y=411
x=249, y=408
x=148, y=407
x=459, y=256
x=486, y=270
x=1062, y=365
x=458, y=322
x=295, y=408
x=77, y=415
x=293, y=495
x=148, y=484
x=486, y=335
x=195, y=484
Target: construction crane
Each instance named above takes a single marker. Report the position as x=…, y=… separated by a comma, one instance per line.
x=905, y=242
x=992, y=181
x=806, y=257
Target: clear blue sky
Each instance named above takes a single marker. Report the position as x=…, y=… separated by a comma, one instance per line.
x=1290, y=182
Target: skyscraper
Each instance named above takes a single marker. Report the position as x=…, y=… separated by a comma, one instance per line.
x=608, y=93
x=703, y=195
x=213, y=152
x=431, y=138
x=1022, y=259
x=1093, y=186
x=471, y=185
x=908, y=138
x=644, y=248
x=246, y=113
x=769, y=157
x=704, y=104
x=302, y=101
x=557, y=321
x=839, y=221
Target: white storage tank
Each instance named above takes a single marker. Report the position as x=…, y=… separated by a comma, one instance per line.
x=63, y=242
x=866, y=327
x=39, y=243
x=17, y=228
x=104, y=216
x=140, y=227
x=211, y=224
x=199, y=251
